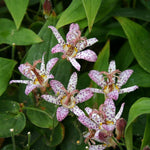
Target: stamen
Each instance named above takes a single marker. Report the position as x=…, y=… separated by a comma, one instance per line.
x=40, y=79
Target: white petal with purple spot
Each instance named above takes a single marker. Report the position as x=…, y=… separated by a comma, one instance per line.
x=57, y=35
x=77, y=111
x=58, y=48
x=120, y=112
x=72, y=82
x=129, y=89
x=51, y=99
x=88, y=122
x=97, y=78
x=123, y=77
x=51, y=64
x=30, y=87
x=61, y=113
x=74, y=63
x=87, y=55
x=113, y=95
x=83, y=95
x=57, y=87
x=20, y=81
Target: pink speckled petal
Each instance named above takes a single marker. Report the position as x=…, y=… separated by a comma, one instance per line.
x=74, y=63
x=109, y=109
x=120, y=112
x=51, y=99
x=57, y=87
x=57, y=35
x=88, y=110
x=42, y=69
x=49, y=77
x=93, y=115
x=73, y=34
x=74, y=26
x=109, y=127
x=51, y=64
x=129, y=89
x=30, y=87
x=58, y=48
x=97, y=147
x=88, y=122
x=72, y=82
x=83, y=95
x=123, y=77
x=20, y=81
x=87, y=55
x=94, y=90
x=87, y=43
x=96, y=118
x=25, y=70
x=113, y=95
x=111, y=68
x=61, y=113
x=97, y=78
x=77, y=111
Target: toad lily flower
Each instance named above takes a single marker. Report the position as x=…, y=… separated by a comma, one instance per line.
x=102, y=119
x=101, y=124
x=72, y=48
x=110, y=88
x=38, y=78
x=67, y=98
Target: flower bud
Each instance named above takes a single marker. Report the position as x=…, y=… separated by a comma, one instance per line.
x=120, y=127
x=146, y=148
x=47, y=7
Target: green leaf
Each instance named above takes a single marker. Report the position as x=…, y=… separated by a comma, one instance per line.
x=73, y=139
x=11, y=118
x=91, y=9
x=17, y=9
x=101, y=64
x=124, y=57
x=140, y=107
x=116, y=31
x=139, y=44
x=141, y=14
x=40, y=117
x=57, y=135
x=6, y=70
x=146, y=137
x=9, y=34
x=139, y=77
x=106, y=7
x=9, y=147
x=73, y=13
x=146, y=4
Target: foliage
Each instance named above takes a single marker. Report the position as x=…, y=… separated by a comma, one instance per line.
x=123, y=33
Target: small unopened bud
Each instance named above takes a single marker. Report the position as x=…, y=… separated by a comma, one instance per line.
x=29, y=133
x=13, y=44
x=120, y=127
x=146, y=148
x=47, y=7
x=11, y=130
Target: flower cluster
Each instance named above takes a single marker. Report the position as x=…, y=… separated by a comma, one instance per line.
x=102, y=122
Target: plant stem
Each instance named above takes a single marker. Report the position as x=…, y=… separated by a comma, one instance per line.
x=29, y=138
x=13, y=139
x=13, y=51
x=119, y=145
